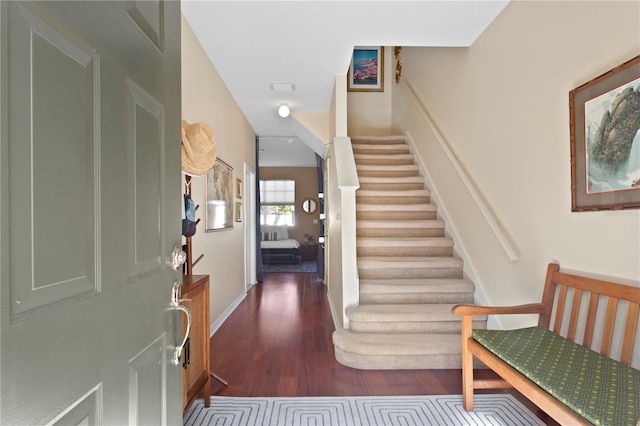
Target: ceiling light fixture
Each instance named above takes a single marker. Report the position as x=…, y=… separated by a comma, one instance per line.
x=283, y=111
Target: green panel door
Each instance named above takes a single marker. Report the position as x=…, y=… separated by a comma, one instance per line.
x=89, y=212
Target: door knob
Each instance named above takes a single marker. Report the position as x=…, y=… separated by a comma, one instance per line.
x=178, y=257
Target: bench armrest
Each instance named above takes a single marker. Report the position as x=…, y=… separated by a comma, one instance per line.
x=469, y=310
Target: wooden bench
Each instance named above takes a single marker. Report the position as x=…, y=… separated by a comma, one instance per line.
x=556, y=365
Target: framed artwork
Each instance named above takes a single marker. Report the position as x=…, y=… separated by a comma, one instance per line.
x=238, y=188
x=605, y=140
x=219, y=197
x=238, y=212
x=366, y=71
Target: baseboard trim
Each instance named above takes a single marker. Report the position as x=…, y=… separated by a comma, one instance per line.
x=336, y=322
x=215, y=325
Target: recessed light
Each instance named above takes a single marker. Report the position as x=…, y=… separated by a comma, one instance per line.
x=283, y=87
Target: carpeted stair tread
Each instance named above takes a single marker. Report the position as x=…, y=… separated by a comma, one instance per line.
x=433, y=285
x=389, y=139
x=370, y=207
x=400, y=313
x=397, y=344
x=382, y=170
x=400, y=224
x=403, y=318
x=389, y=159
x=379, y=149
x=383, y=194
x=404, y=242
x=417, y=211
x=409, y=262
x=392, y=184
x=416, y=291
x=391, y=180
x=410, y=246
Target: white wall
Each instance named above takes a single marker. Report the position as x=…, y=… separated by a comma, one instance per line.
x=502, y=105
x=370, y=112
x=205, y=98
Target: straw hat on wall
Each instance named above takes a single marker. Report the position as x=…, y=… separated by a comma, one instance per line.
x=198, y=148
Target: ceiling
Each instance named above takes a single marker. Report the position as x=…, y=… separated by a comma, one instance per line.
x=255, y=45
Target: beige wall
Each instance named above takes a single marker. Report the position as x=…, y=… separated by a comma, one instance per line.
x=306, y=179
x=370, y=112
x=205, y=98
x=502, y=105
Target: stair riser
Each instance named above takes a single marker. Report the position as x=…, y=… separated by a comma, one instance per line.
x=386, y=215
x=398, y=362
x=391, y=186
x=393, y=200
x=434, y=327
x=382, y=161
x=387, y=174
x=405, y=251
x=373, y=140
x=399, y=233
x=383, y=150
x=415, y=298
x=410, y=273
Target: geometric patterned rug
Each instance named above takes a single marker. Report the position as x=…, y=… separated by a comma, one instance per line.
x=440, y=410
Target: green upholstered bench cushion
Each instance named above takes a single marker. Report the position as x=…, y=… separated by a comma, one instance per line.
x=600, y=389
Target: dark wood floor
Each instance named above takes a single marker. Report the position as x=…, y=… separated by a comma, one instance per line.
x=278, y=343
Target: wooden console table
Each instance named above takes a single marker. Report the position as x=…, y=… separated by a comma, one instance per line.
x=195, y=375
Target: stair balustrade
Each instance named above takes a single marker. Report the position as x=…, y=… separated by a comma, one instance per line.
x=348, y=183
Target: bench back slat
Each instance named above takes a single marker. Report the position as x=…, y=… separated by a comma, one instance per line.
x=629, y=334
x=567, y=291
x=562, y=297
x=609, y=323
x=575, y=312
x=591, y=320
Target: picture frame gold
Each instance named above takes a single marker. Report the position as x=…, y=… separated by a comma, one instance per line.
x=605, y=141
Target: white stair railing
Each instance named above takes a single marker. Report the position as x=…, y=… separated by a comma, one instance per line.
x=348, y=183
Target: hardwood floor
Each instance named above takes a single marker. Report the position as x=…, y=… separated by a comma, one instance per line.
x=278, y=343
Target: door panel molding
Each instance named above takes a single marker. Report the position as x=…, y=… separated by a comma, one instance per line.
x=59, y=264
x=149, y=367
x=87, y=410
x=145, y=145
x=149, y=17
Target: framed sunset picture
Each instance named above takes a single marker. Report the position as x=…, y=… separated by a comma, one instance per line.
x=366, y=71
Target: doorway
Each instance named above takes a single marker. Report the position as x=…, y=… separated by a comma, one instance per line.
x=249, y=210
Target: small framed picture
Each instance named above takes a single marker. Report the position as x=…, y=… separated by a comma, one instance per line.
x=366, y=72
x=239, y=188
x=219, y=197
x=238, y=212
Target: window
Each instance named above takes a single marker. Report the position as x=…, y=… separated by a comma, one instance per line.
x=277, y=202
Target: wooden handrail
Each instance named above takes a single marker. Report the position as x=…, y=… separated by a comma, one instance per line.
x=486, y=211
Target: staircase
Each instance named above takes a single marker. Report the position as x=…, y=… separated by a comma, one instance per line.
x=409, y=278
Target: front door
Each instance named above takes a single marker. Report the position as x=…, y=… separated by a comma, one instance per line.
x=89, y=212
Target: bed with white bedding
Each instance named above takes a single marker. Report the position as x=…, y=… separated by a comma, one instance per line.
x=277, y=247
